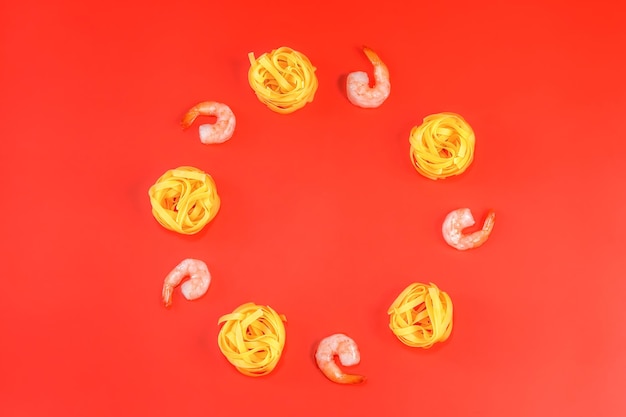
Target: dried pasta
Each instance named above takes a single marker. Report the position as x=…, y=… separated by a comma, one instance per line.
x=252, y=338
x=442, y=146
x=283, y=79
x=421, y=316
x=184, y=200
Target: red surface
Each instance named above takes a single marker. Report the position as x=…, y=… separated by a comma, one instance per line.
x=323, y=217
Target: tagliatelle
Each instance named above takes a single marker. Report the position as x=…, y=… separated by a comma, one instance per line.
x=442, y=146
x=283, y=79
x=421, y=316
x=252, y=338
x=184, y=200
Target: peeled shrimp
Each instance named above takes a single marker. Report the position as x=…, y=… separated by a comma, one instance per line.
x=348, y=352
x=358, y=89
x=195, y=287
x=460, y=219
x=218, y=132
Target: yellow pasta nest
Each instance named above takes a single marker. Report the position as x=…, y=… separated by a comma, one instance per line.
x=283, y=79
x=184, y=200
x=252, y=338
x=421, y=316
x=442, y=146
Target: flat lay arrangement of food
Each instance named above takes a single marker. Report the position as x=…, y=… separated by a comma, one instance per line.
x=291, y=210
x=185, y=199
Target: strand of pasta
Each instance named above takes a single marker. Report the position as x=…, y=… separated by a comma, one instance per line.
x=184, y=200
x=442, y=146
x=421, y=316
x=282, y=79
x=252, y=338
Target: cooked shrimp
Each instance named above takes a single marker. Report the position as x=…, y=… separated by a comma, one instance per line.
x=460, y=219
x=358, y=88
x=218, y=132
x=348, y=352
x=195, y=287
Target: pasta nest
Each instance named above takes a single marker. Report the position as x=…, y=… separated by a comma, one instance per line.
x=252, y=338
x=421, y=316
x=282, y=79
x=184, y=200
x=442, y=146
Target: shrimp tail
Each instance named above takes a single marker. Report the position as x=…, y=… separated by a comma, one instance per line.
x=372, y=56
x=350, y=379
x=167, y=295
x=189, y=118
x=489, y=221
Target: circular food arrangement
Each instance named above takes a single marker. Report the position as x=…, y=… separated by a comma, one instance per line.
x=185, y=199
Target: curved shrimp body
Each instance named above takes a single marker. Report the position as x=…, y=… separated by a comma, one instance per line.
x=460, y=219
x=195, y=287
x=348, y=352
x=358, y=89
x=218, y=132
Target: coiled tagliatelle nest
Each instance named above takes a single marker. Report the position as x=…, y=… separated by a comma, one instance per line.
x=252, y=338
x=442, y=146
x=421, y=316
x=184, y=200
x=282, y=79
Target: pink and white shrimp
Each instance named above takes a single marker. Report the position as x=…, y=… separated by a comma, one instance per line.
x=460, y=219
x=358, y=89
x=217, y=132
x=348, y=352
x=195, y=287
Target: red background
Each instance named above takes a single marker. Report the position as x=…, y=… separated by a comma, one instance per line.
x=323, y=217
